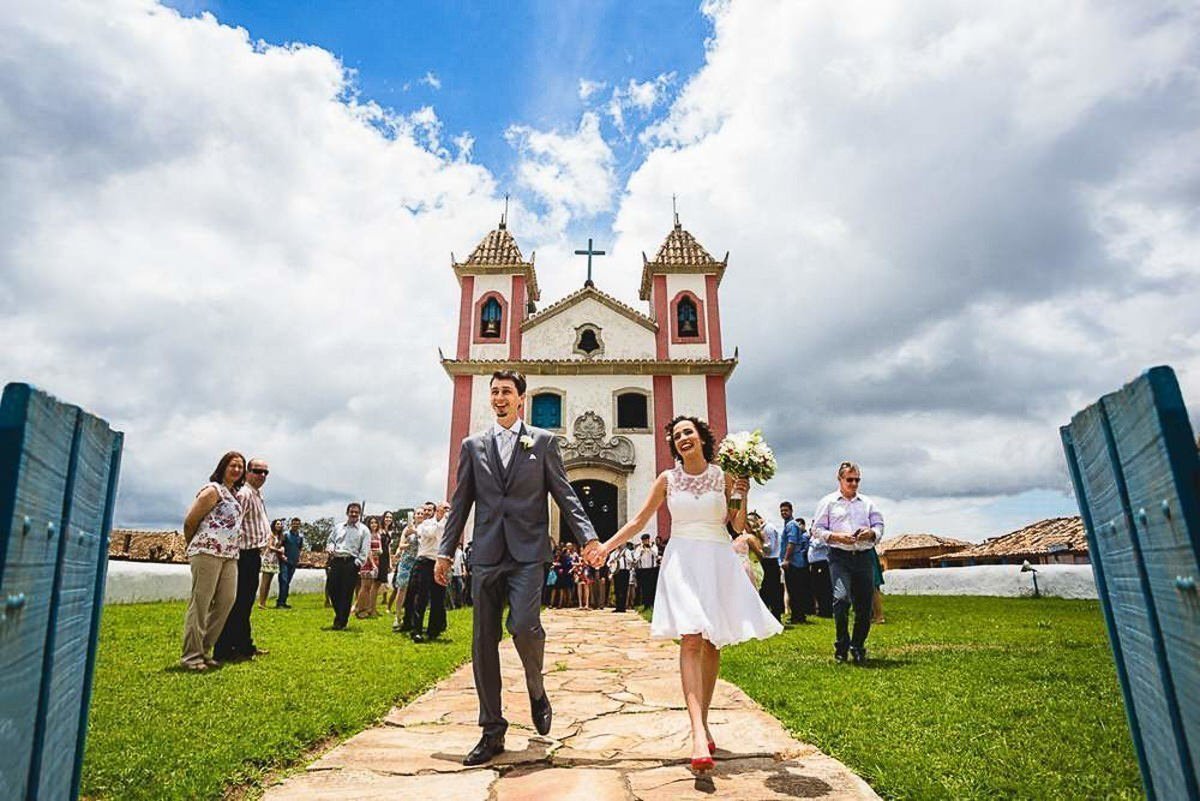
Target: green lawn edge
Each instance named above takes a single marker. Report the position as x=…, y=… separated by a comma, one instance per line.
x=157, y=732
x=965, y=697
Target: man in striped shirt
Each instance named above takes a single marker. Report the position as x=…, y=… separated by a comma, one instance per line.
x=236, y=640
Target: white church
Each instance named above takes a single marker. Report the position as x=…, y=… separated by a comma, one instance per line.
x=602, y=375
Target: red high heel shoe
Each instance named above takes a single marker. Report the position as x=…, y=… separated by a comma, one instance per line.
x=712, y=748
x=703, y=765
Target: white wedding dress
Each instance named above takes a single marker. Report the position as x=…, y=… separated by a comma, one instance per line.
x=702, y=587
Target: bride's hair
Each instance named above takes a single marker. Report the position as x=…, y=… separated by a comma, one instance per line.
x=708, y=444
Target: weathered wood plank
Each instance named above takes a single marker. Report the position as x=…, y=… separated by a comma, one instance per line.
x=1139, y=633
x=69, y=638
x=1157, y=452
x=37, y=436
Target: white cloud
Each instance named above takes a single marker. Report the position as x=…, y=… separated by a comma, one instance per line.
x=588, y=88
x=571, y=172
x=205, y=242
x=641, y=97
x=972, y=221
x=431, y=80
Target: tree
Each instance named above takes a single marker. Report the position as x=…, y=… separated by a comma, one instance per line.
x=316, y=534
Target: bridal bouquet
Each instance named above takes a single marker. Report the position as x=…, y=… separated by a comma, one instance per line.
x=746, y=454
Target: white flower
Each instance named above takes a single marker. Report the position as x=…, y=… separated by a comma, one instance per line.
x=526, y=441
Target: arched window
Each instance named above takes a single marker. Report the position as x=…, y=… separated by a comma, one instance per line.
x=490, y=319
x=546, y=411
x=687, y=320
x=633, y=411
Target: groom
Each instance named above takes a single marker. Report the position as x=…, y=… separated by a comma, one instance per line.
x=506, y=472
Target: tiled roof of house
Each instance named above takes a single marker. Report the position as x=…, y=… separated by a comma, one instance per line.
x=679, y=253
x=680, y=247
x=1055, y=535
x=497, y=248
x=910, y=542
x=589, y=292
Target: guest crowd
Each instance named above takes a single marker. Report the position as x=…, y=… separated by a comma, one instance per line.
x=235, y=551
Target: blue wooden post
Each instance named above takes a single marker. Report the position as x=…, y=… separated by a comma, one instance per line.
x=58, y=474
x=1133, y=462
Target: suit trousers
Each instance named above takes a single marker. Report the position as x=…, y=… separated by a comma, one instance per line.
x=520, y=585
x=427, y=594
x=214, y=587
x=342, y=575
x=771, y=591
x=236, y=638
x=620, y=588
x=647, y=579
x=853, y=575
x=799, y=592
x=822, y=588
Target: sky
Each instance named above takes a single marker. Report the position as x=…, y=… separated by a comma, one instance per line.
x=950, y=226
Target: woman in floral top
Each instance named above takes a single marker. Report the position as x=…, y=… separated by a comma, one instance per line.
x=211, y=530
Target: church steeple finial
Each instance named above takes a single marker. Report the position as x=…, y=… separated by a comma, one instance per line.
x=675, y=210
x=504, y=216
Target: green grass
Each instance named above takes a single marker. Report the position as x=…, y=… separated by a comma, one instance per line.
x=156, y=732
x=964, y=698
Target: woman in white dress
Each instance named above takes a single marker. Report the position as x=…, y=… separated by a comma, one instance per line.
x=703, y=598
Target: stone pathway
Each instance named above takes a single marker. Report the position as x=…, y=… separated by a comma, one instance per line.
x=620, y=732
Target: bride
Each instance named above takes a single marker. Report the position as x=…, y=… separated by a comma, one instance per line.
x=703, y=598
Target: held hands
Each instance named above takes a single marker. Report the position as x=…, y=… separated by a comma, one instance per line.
x=594, y=553
x=441, y=571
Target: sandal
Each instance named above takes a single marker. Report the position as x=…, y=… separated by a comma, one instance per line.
x=196, y=666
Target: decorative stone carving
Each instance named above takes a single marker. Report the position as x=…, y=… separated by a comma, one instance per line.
x=591, y=446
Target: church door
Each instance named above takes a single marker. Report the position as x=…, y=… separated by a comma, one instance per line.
x=600, y=502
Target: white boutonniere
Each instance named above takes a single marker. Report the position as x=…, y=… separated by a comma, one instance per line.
x=526, y=441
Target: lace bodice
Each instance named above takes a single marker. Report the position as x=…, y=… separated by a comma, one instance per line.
x=697, y=504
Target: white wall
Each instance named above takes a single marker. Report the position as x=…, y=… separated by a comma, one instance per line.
x=1061, y=581
x=139, y=582
x=555, y=338
x=689, y=394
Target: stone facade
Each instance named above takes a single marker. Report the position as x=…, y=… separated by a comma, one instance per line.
x=585, y=351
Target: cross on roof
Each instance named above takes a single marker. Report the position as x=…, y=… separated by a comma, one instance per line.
x=589, y=253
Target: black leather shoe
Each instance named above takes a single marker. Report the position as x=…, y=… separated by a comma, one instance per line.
x=542, y=714
x=840, y=654
x=859, y=655
x=418, y=637
x=487, y=748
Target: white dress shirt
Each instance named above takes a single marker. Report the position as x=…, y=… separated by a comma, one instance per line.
x=837, y=514
x=350, y=540
x=429, y=536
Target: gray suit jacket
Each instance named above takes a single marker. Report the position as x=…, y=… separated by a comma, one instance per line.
x=511, y=514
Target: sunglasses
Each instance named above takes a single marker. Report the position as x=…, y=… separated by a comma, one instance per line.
x=258, y=471
x=852, y=480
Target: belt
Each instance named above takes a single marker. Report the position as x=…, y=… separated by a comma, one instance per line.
x=340, y=557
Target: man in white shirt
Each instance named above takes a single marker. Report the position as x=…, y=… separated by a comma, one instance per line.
x=645, y=560
x=620, y=565
x=850, y=524
x=349, y=548
x=429, y=593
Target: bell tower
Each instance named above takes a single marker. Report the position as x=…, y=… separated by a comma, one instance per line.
x=497, y=290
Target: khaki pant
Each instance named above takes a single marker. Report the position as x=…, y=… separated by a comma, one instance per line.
x=214, y=588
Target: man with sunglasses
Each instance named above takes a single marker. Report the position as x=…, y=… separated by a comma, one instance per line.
x=237, y=640
x=850, y=524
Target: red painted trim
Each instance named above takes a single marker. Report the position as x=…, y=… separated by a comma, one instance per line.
x=478, y=338
x=664, y=410
x=464, y=317
x=714, y=316
x=702, y=336
x=658, y=299
x=460, y=422
x=518, y=317
x=718, y=421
